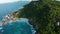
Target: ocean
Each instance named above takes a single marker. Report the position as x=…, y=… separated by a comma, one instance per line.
x=7, y=8
x=21, y=26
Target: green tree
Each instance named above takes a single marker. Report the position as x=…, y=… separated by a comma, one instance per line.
x=44, y=13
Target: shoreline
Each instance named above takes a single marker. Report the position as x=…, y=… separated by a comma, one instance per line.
x=11, y=17
x=34, y=26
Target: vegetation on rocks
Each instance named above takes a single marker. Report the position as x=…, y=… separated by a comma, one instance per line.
x=44, y=13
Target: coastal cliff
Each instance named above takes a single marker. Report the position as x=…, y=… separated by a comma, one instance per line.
x=42, y=14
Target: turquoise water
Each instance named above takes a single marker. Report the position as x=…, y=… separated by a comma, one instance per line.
x=8, y=8
x=21, y=26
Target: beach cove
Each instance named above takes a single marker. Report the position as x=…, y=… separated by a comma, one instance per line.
x=14, y=25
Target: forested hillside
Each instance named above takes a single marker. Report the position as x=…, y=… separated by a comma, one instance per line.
x=45, y=15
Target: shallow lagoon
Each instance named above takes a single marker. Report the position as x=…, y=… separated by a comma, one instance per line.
x=21, y=26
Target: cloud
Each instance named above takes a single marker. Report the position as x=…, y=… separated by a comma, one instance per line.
x=7, y=1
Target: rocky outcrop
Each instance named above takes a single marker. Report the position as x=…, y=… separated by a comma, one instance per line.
x=9, y=17
x=32, y=22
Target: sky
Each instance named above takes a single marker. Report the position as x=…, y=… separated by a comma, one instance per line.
x=58, y=0
x=9, y=1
